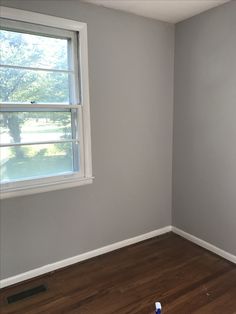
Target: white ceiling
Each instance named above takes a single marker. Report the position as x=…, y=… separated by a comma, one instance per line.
x=172, y=11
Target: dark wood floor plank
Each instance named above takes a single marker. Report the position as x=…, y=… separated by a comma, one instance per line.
x=226, y=304
x=182, y=276
x=204, y=293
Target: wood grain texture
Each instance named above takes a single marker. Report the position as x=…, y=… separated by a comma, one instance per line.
x=182, y=276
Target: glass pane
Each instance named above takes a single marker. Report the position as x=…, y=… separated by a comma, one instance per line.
x=35, y=161
x=25, y=127
x=33, y=51
x=28, y=86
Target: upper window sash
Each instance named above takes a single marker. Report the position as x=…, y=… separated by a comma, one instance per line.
x=64, y=24
x=72, y=38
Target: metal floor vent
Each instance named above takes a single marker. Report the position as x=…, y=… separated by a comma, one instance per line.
x=26, y=294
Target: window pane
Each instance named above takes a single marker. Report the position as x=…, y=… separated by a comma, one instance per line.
x=26, y=86
x=34, y=161
x=24, y=127
x=33, y=51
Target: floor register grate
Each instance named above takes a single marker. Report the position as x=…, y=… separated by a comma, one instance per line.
x=26, y=294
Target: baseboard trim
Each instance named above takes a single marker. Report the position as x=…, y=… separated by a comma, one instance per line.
x=210, y=247
x=112, y=247
x=81, y=257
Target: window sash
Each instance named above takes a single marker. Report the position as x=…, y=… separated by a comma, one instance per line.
x=77, y=138
x=73, y=52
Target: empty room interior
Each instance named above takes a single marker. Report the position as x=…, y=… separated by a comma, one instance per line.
x=118, y=156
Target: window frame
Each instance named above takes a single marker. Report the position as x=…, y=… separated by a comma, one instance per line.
x=55, y=182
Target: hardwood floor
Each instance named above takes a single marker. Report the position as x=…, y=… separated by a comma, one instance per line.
x=182, y=276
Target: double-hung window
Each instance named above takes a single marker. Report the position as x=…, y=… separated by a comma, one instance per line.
x=44, y=103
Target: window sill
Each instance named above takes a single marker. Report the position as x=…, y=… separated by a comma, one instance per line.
x=34, y=188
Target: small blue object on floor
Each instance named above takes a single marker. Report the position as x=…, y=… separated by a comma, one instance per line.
x=158, y=307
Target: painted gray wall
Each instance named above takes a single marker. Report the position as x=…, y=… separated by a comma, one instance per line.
x=204, y=163
x=131, y=62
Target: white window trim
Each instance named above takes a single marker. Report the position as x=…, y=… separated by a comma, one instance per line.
x=34, y=186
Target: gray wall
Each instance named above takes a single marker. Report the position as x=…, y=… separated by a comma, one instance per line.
x=204, y=164
x=131, y=62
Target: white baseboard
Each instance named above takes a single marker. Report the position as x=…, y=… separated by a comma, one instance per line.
x=109, y=248
x=205, y=245
x=81, y=257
